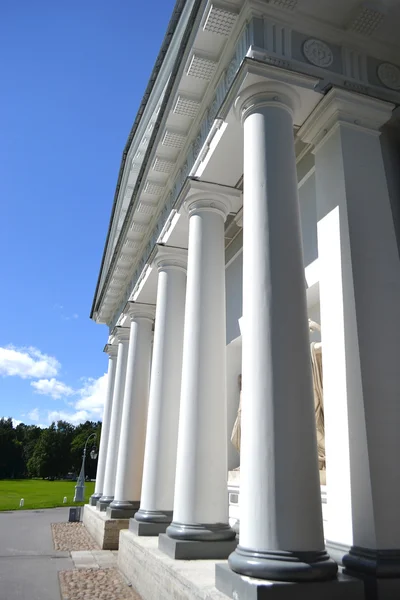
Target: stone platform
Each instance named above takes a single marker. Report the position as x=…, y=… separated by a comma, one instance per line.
x=153, y=574
x=103, y=529
x=156, y=576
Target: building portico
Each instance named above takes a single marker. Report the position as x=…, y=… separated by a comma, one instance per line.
x=262, y=201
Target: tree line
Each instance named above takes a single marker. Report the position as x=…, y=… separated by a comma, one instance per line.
x=54, y=452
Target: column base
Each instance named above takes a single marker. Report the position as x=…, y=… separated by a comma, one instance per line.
x=104, y=502
x=147, y=529
x=239, y=587
x=94, y=498
x=283, y=566
x=150, y=522
x=379, y=570
x=336, y=550
x=122, y=509
x=194, y=549
x=379, y=563
x=201, y=532
x=154, y=516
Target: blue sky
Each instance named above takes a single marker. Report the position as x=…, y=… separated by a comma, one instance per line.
x=72, y=76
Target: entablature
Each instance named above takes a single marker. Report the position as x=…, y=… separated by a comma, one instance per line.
x=195, y=111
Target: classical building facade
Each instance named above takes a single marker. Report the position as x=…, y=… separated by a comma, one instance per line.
x=256, y=216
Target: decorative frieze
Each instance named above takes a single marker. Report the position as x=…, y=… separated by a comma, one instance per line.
x=131, y=244
x=152, y=188
x=173, y=139
x=146, y=208
x=162, y=165
x=201, y=67
x=219, y=20
x=366, y=20
x=285, y=4
x=185, y=106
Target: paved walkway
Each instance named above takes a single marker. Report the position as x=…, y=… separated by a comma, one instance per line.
x=29, y=564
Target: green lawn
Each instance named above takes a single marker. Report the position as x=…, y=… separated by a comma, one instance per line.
x=38, y=493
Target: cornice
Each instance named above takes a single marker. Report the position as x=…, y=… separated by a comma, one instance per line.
x=166, y=44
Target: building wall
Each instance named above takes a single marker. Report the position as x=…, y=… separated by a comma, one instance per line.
x=308, y=218
x=233, y=275
x=390, y=142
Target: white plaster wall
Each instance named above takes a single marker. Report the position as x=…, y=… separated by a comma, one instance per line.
x=233, y=278
x=234, y=275
x=390, y=143
x=233, y=370
x=308, y=218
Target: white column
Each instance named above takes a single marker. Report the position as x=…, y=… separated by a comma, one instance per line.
x=134, y=414
x=281, y=534
x=360, y=299
x=105, y=427
x=201, y=503
x=163, y=415
x=122, y=337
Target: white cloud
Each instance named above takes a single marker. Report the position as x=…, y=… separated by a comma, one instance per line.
x=75, y=418
x=27, y=363
x=34, y=414
x=52, y=387
x=93, y=395
x=89, y=405
x=16, y=422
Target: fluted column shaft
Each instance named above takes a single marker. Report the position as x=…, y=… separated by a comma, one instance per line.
x=200, y=504
x=105, y=427
x=163, y=415
x=281, y=534
x=134, y=414
x=122, y=336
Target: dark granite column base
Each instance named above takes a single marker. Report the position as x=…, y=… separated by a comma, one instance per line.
x=283, y=566
x=104, y=502
x=379, y=563
x=194, y=549
x=240, y=587
x=94, y=498
x=336, y=550
x=154, y=516
x=122, y=510
x=140, y=528
x=379, y=570
x=201, y=532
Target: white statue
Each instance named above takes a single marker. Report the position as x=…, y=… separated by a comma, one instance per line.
x=316, y=363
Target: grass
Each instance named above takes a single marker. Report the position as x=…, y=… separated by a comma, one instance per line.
x=39, y=493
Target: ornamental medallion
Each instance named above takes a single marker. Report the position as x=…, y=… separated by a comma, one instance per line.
x=318, y=53
x=389, y=75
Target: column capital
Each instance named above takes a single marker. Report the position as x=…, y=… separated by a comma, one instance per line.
x=111, y=350
x=121, y=334
x=199, y=196
x=138, y=310
x=345, y=108
x=170, y=257
x=203, y=203
x=268, y=93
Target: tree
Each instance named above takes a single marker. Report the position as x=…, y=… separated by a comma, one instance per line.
x=11, y=454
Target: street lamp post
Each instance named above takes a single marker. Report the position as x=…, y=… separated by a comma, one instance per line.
x=80, y=484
